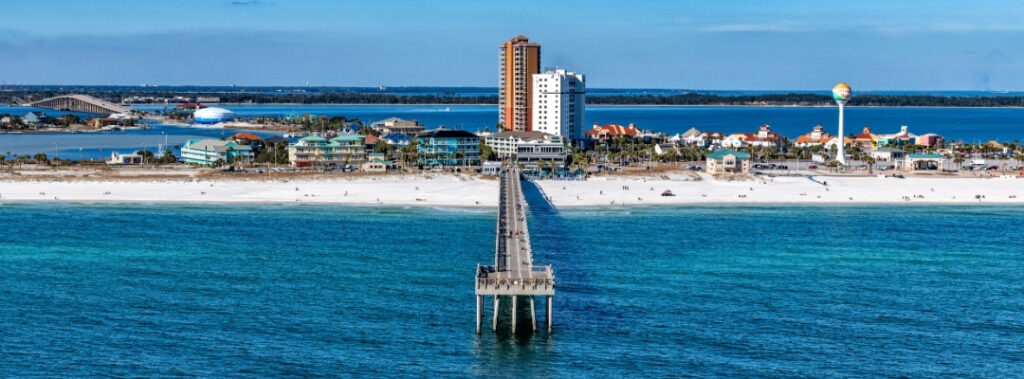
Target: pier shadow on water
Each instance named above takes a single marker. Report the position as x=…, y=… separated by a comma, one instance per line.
x=536, y=199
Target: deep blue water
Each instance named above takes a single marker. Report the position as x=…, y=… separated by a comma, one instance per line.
x=145, y=290
x=968, y=124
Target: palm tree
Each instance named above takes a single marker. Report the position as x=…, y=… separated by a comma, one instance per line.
x=834, y=165
x=870, y=160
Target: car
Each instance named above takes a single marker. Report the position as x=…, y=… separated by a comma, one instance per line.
x=990, y=168
x=782, y=167
x=812, y=167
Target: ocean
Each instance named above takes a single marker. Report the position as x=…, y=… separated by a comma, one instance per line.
x=304, y=290
x=973, y=125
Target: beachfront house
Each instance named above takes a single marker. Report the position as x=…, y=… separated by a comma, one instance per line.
x=729, y=161
x=376, y=162
x=314, y=151
x=207, y=152
x=444, y=147
x=117, y=158
x=352, y=147
x=924, y=162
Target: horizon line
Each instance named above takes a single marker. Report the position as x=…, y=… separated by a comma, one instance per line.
x=495, y=88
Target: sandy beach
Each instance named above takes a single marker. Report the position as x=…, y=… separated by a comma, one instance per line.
x=423, y=190
x=463, y=190
x=605, y=191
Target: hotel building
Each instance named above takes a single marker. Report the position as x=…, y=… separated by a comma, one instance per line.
x=558, y=104
x=518, y=60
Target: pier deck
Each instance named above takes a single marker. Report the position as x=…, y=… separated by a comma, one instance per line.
x=513, y=273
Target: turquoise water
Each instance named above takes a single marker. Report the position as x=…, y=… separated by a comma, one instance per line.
x=213, y=290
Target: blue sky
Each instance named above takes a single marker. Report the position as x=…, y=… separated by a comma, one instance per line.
x=753, y=45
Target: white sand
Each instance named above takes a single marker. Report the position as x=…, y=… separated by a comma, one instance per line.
x=840, y=190
x=435, y=190
x=450, y=190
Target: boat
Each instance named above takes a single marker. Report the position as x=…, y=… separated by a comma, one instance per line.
x=667, y=193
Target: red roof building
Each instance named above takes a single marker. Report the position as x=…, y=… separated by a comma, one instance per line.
x=371, y=140
x=246, y=136
x=817, y=136
x=607, y=131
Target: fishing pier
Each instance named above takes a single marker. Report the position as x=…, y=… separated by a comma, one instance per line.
x=513, y=277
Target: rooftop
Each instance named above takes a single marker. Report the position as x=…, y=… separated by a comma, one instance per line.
x=722, y=153
x=447, y=133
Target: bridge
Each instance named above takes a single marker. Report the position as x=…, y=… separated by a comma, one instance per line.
x=80, y=103
x=513, y=275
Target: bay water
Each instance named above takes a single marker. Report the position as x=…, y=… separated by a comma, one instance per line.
x=973, y=125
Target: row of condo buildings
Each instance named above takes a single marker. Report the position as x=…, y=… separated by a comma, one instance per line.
x=532, y=149
x=436, y=147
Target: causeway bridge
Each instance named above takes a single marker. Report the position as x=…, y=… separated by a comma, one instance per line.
x=80, y=103
x=513, y=277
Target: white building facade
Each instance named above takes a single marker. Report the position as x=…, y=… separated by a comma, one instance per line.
x=558, y=104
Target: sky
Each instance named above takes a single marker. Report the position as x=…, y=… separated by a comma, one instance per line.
x=712, y=45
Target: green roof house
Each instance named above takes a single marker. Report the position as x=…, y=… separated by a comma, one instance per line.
x=727, y=161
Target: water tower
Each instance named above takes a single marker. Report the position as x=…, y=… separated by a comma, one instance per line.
x=841, y=93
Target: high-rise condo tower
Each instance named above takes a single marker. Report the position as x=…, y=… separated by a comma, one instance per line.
x=518, y=60
x=558, y=103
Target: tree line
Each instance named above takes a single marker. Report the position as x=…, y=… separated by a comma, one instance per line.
x=805, y=99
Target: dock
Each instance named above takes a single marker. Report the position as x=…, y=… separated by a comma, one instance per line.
x=513, y=277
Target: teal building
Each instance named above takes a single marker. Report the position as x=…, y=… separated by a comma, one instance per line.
x=443, y=147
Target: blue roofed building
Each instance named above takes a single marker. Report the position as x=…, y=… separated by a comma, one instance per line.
x=396, y=139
